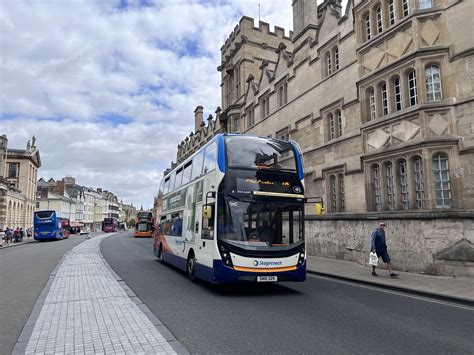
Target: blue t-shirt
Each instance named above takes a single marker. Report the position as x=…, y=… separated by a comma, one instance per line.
x=377, y=240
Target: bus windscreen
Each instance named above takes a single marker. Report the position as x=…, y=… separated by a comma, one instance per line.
x=142, y=227
x=260, y=153
x=44, y=214
x=144, y=215
x=258, y=225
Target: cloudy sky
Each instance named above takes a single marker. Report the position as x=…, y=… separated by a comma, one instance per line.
x=109, y=87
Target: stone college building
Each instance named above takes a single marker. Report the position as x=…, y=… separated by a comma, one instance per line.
x=380, y=99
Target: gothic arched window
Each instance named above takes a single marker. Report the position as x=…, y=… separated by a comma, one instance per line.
x=333, y=187
x=441, y=181
x=391, y=11
x=383, y=92
x=403, y=179
x=332, y=126
x=412, y=91
x=433, y=83
x=378, y=15
x=397, y=94
x=419, y=183
x=377, y=184
x=335, y=51
x=390, y=186
x=367, y=27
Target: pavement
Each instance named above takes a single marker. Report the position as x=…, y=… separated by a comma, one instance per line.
x=460, y=289
x=85, y=309
x=25, y=241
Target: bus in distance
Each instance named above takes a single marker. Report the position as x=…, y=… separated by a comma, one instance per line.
x=145, y=215
x=144, y=226
x=234, y=211
x=47, y=226
x=109, y=224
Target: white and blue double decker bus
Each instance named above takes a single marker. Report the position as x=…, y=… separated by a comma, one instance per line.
x=234, y=210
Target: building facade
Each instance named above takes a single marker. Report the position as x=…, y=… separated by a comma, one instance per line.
x=64, y=206
x=380, y=99
x=3, y=182
x=130, y=215
x=84, y=206
x=19, y=170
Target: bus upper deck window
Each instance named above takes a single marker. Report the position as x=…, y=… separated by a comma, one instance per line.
x=187, y=173
x=161, y=188
x=197, y=165
x=177, y=181
x=166, y=187
x=172, y=178
x=210, y=157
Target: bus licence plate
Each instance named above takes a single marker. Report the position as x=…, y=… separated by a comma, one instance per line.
x=267, y=278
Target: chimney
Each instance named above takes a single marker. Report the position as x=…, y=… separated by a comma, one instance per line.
x=69, y=181
x=3, y=152
x=305, y=13
x=198, y=118
x=58, y=188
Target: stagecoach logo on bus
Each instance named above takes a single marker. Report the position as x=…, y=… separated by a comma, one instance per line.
x=266, y=263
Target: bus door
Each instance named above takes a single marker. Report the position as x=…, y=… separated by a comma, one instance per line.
x=206, y=215
x=176, y=233
x=189, y=238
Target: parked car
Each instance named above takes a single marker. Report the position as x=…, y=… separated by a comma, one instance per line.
x=85, y=230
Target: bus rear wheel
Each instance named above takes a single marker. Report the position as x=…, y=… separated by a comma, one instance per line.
x=191, y=267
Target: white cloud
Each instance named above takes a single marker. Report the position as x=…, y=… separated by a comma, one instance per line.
x=68, y=70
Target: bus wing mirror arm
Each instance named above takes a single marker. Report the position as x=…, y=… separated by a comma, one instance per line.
x=315, y=199
x=210, y=194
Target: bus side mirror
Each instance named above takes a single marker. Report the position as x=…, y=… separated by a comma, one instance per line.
x=318, y=206
x=319, y=209
x=207, y=212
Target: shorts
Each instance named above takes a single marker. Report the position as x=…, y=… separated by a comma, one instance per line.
x=384, y=255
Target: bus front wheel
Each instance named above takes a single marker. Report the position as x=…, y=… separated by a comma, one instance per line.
x=191, y=267
x=160, y=255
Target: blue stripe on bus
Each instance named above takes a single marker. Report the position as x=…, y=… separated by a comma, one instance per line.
x=221, y=152
x=299, y=161
x=175, y=260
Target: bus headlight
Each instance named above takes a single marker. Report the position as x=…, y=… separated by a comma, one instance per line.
x=301, y=258
x=225, y=255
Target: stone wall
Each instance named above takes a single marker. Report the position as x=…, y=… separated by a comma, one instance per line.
x=433, y=243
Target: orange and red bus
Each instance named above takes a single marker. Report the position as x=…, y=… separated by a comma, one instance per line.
x=144, y=226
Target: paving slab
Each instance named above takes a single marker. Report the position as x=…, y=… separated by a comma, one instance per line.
x=85, y=309
x=455, y=288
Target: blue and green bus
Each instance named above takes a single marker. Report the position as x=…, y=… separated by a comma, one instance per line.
x=234, y=211
x=47, y=226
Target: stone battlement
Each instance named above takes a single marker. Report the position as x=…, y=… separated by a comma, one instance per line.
x=247, y=25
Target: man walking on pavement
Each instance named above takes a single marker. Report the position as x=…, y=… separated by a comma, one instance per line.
x=379, y=246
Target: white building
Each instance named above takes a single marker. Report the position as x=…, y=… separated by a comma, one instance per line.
x=64, y=206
